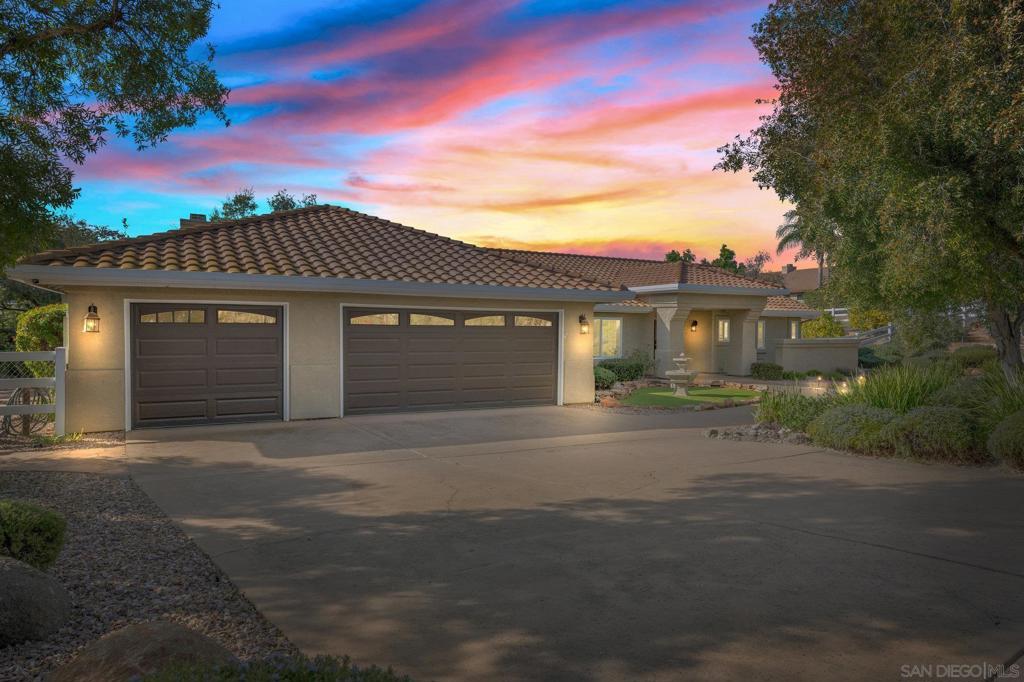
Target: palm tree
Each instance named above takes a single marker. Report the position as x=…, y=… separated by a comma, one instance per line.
x=796, y=233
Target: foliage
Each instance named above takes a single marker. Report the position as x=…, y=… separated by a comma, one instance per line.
x=790, y=409
x=766, y=371
x=277, y=669
x=74, y=72
x=866, y=319
x=946, y=434
x=918, y=333
x=895, y=131
x=851, y=427
x=973, y=356
x=30, y=533
x=1005, y=395
x=824, y=327
x=630, y=368
x=967, y=393
x=41, y=329
x=1007, y=440
x=674, y=256
x=283, y=200
x=241, y=204
x=900, y=388
x=603, y=378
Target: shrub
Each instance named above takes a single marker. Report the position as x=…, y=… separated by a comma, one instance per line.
x=39, y=329
x=866, y=319
x=789, y=409
x=1007, y=440
x=623, y=370
x=277, y=668
x=766, y=370
x=900, y=387
x=30, y=533
x=967, y=393
x=945, y=434
x=973, y=356
x=825, y=326
x=1004, y=396
x=603, y=378
x=868, y=358
x=929, y=358
x=792, y=376
x=851, y=427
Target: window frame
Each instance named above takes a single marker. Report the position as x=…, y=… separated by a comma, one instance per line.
x=598, y=332
x=363, y=312
x=468, y=316
x=719, y=338
x=451, y=320
x=272, y=317
x=761, y=333
x=794, y=329
x=533, y=316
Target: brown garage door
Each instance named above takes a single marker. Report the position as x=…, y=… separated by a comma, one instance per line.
x=442, y=359
x=200, y=364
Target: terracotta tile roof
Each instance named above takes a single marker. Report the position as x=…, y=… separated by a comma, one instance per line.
x=786, y=303
x=320, y=241
x=803, y=279
x=635, y=272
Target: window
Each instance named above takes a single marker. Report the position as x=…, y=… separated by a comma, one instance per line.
x=244, y=317
x=760, y=334
x=187, y=316
x=380, y=319
x=425, y=320
x=484, y=320
x=794, y=329
x=724, y=324
x=530, y=321
x=607, y=337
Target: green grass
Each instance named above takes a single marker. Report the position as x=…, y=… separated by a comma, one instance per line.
x=662, y=397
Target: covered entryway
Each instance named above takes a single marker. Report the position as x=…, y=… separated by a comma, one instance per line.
x=198, y=364
x=412, y=359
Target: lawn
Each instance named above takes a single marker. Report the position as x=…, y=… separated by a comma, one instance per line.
x=662, y=397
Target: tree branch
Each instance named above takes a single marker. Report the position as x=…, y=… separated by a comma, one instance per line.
x=109, y=20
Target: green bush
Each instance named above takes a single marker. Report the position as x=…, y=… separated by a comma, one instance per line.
x=900, y=387
x=39, y=329
x=945, y=434
x=790, y=375
x=630, y=368
x=929, y=358
x=967, y=393
x=1007, y=440
x=973, y=356
x=867, y=319
x=277, y=669
x=789, y=409
x=851, y=427
x=603, y=378
x=30, y=533
x=824, y=327
x=766, y=371
x=1004, y=396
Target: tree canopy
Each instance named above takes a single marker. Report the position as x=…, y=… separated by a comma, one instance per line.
x=283, y=200
x=897, y=132
x=75, y=72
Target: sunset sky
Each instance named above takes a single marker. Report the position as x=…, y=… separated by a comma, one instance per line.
x=585, y=126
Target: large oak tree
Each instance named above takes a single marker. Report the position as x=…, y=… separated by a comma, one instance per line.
x=898, y=133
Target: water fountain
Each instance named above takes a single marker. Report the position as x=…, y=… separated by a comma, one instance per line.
x=682, y=378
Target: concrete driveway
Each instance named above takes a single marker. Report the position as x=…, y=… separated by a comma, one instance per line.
x=573, y=544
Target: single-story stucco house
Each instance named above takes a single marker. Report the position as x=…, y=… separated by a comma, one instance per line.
x=325, y=312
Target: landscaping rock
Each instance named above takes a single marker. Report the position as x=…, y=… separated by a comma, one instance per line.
x=760, y=433
x=609, y=401
x=139, y=650
x=33, y=605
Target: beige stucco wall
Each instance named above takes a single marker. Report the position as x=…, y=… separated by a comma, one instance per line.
x=637, y=331
x=825, y=355
x=96, y=362
x=776, y=329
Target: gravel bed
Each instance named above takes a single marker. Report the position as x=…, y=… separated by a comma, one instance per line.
x=760, y=433
x=101, y=439
x=125, y=562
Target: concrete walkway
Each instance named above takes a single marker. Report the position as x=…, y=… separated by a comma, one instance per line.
x=574, y=544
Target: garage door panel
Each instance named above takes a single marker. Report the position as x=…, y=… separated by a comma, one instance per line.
x=190, y=369
x=452, y=367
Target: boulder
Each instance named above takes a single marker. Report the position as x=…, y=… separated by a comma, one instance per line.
x=33, y=605
x=139, y=650
x=609, y=401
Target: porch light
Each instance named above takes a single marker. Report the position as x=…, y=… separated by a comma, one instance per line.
x=92, y=320
x=693, y=327
x=584, y=325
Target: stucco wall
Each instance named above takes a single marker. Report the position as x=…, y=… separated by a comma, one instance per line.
x=776, y=329
x=96, y=362
x=637, y=331
x=697, y=344
x=826, y=355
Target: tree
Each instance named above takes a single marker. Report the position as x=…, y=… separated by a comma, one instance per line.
x=283, y=200
x=899, y=123
x=753, y=266
x=16, y=298
x=726, y=259
x=799, y=232
x=824, y=327
x=74, y=72
x=241, y=204
x=865, y=319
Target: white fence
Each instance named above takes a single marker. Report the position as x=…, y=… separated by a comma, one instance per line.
x=56, y=382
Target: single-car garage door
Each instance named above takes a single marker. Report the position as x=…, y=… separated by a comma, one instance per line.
x=202, y=364
x=404, y=360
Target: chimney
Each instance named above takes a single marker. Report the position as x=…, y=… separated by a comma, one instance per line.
x=788, y=269
x=192, y=220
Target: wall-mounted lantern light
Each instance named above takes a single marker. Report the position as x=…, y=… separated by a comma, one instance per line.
x=92, y=320
x=693, y=327
x=584, y=325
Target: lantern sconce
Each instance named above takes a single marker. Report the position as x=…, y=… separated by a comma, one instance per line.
x=693, y=327
x=584, y=325
x=92, y=320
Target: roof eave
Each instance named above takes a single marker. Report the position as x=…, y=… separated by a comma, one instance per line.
x=619, y=308
x=50, y=275
x=805, y=314
x=709, y=289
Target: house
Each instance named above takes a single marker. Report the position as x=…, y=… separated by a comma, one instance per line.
x=800, y=281
x=324, y=311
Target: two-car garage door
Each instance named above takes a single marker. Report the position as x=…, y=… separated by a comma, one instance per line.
x=204, y=363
